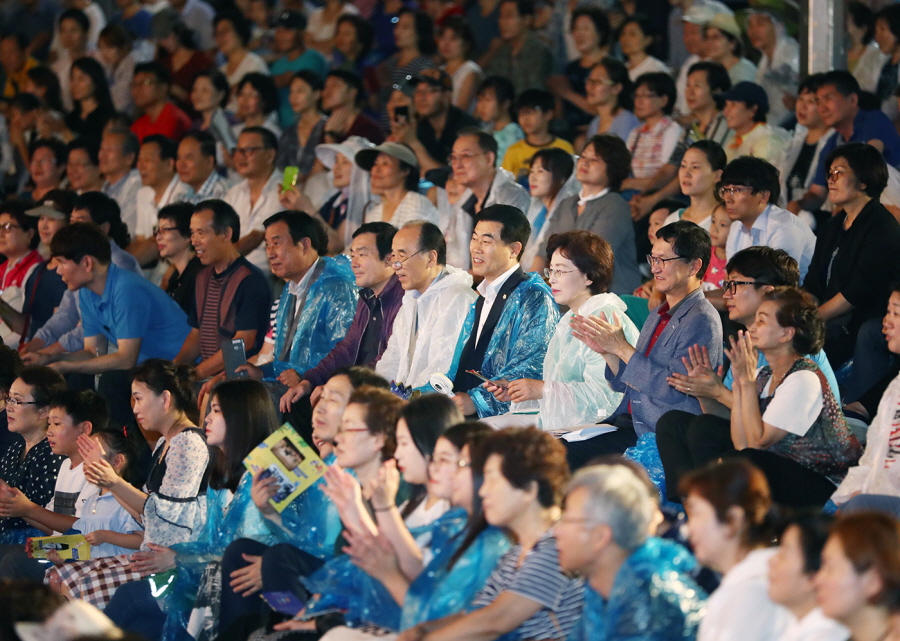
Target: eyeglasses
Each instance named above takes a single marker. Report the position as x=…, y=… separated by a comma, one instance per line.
x=556, y=273
x=656, y=261
x=5, y=228
x=158, y=231
x=441, y=462
x=731, y=286
x=834, y=174
x=397, y=264
x=462, y=464
x=461, y=158
x=732, y=191
x=12, y=400
x=247, y=150
x=143, y=83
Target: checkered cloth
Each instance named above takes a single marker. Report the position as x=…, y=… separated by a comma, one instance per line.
x=96, y=581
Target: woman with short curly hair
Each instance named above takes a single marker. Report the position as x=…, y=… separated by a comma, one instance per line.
x=785, y=418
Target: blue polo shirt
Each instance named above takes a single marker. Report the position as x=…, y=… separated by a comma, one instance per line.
x=868, y=125
x=133, y=307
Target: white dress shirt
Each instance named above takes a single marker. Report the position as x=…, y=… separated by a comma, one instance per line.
x=148, y=209
x=490, y=291
x=253, y=215
x=777, y=228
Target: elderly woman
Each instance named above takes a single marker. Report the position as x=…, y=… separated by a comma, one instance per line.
x=574, y=389
x=603, y=165
x=394, y=171
x=855, y=260
x=857, y=583
x=785, y=418
x=723, y=44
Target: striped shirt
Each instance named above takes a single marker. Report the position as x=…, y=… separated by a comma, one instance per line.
x=209, y=325
x=540, y=579
x=215, y=186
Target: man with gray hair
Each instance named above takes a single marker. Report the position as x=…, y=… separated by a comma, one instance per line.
x=636, y=585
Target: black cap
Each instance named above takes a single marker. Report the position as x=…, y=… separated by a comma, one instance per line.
x=291, y=20
x=749, y=93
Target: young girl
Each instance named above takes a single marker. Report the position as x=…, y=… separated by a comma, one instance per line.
x=718, y=233
x=105, y=523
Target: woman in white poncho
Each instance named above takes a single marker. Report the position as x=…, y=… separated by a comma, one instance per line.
x=574, y=390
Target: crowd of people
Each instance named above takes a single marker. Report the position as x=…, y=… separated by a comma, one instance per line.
x=590, y=309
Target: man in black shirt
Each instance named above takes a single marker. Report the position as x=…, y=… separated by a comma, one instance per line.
x=432, y=136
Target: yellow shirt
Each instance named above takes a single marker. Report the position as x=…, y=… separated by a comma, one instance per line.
x=15, y=83
x=518, y=157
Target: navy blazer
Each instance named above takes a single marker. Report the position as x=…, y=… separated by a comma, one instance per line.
x=643, y=378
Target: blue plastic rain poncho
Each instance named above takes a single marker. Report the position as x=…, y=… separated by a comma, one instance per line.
x=327, y=313
x=653, y=598
x=435, y=593
x=575, y=387
x=311, y=521
x=228, y=518
x=518, y=344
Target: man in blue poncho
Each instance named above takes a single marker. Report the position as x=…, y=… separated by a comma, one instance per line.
x=317, y=304
x=509, y=326
x=636, y=586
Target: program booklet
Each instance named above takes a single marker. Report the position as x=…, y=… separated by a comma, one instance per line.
x=287, y=457
x=70, y=547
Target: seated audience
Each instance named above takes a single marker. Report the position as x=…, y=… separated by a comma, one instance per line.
x=887, y=36
x=859, y=241
x=678, y=261
x=602, y=166
x=29, y=464
x=534, y=111
x=47, y=167
x=161, y=187
x=746, y=109
x=232, y=32
x=574, y=390
x=837, y=97
x=609, y=99
x=172, y=235
x=93, y=106
x=750, y=188
x=209, y=97
x=864, y=56
x=294, y=57
x=635, y=38
x=172, y=504
x=437, y=120
x=380, y=297
x=792, y=574
x=855, y=585
x=434, y=307
x=636, y=585
x=724, y=44
x=231, y=295
x=342, y=98
x=700, y=172
x=18, y=243
x=73, y=27
x=83, y=165
x=778, y=72
x=493, y=108
x=394, y=171
x=687, y=441
x=116, y=52
x=524, y=475
x=456, y=46
x=150, y=91
x=413, y=34
x=730, y=528
x=180, y=55
x=196, y=168
x=652, y=142
x=785, y=418
x=520, y=56
x=257, y=104
x=121, y=181
x=550, y=182
x=255, y=197
x=305, y=128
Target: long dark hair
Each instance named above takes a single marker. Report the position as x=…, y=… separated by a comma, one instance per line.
x=94, y=70
x=427, y=418
x=249, y=415
x=165, y=376
x=473, y=434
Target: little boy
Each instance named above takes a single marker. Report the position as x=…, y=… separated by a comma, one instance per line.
x=535, y=111
x=72, y=413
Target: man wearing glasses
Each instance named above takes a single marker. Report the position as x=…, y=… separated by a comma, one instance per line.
x=678, y=261
x=255, y=198
x=434, y=307
x=750, y=187
x=687, y=441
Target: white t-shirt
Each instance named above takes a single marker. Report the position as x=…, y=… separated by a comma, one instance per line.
x=797, y=403
x=815, y=626
x=647, y=65
x=71, y=490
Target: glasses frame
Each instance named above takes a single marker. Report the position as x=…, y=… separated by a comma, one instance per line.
x=397, y=264
x=733, y=190
x=12, y=400
x=656, y=261
x=556, y=273
x=730, y=286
